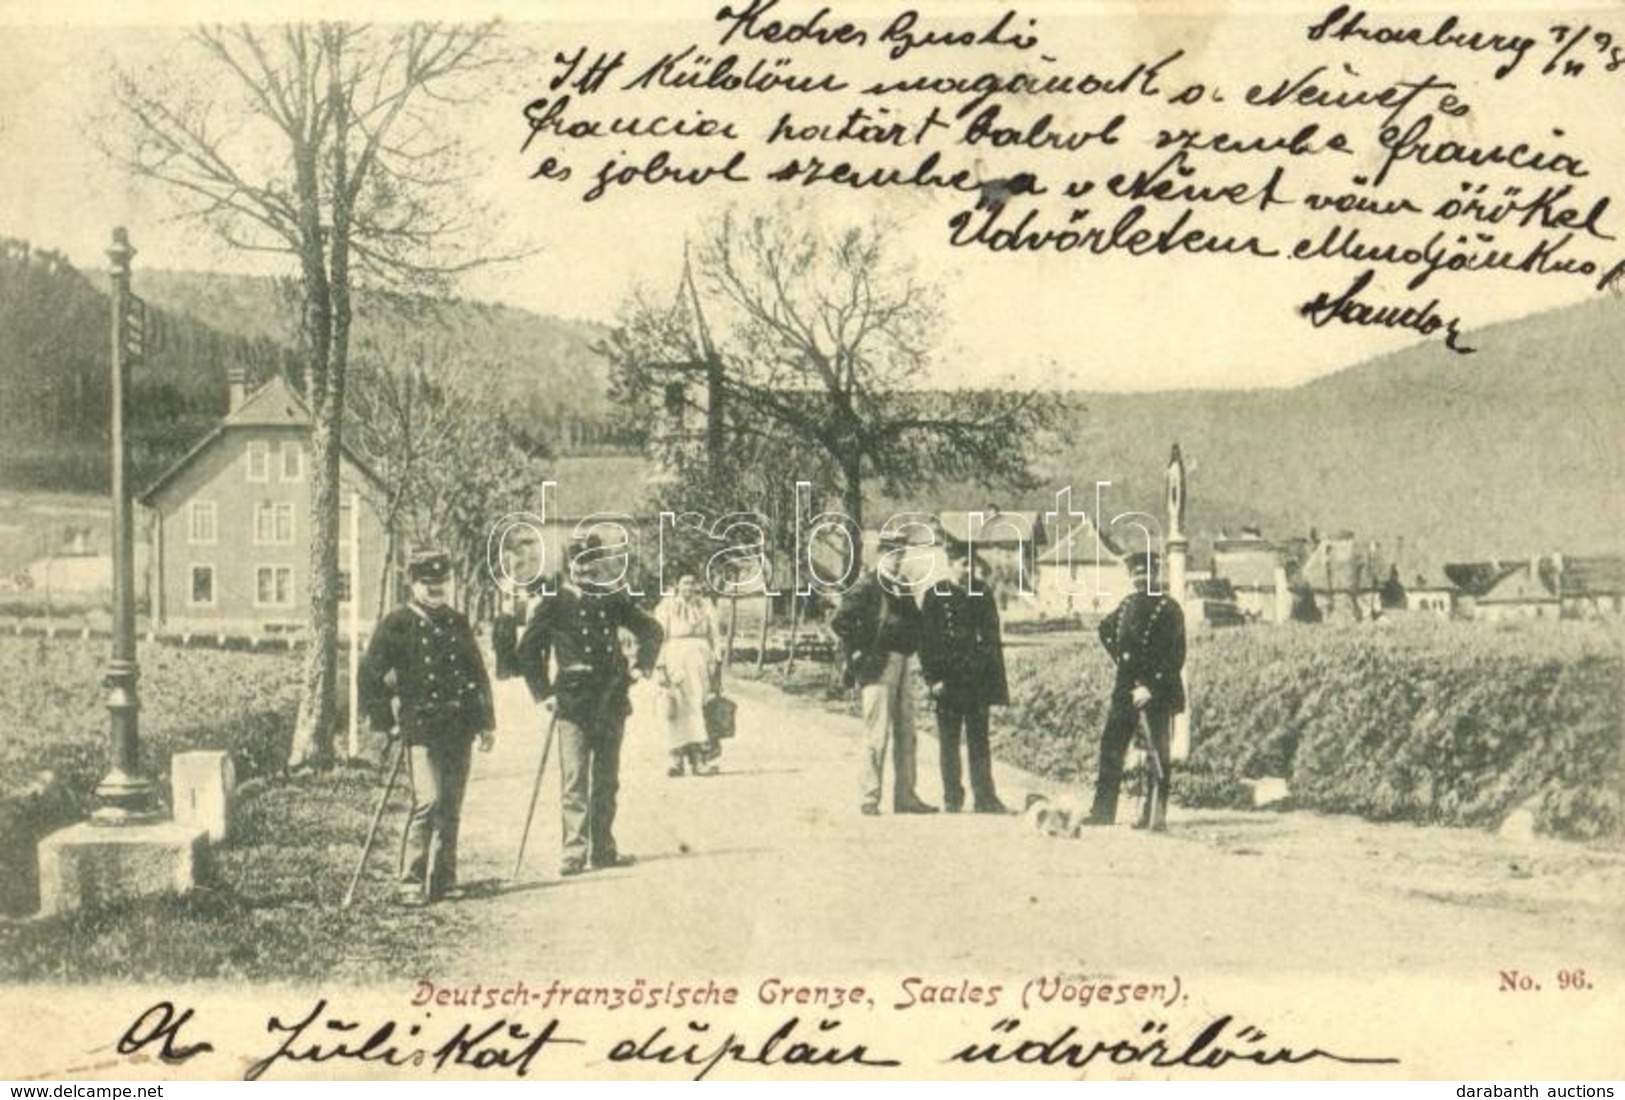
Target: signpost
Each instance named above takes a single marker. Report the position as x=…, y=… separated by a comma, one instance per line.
x=126, y=795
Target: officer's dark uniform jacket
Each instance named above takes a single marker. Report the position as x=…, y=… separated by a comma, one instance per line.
x=872, y=622
x=582, y=631
x=960, y=647
x=1145, y=636
x=439, y=675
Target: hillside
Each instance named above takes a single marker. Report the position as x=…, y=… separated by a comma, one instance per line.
x=1514, y=450
x=54, y=378
x=557, y=382
x=1519, y=448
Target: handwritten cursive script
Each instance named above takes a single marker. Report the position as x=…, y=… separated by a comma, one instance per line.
x=320, y=1036
x=784, y=1047
x=1218, y=1043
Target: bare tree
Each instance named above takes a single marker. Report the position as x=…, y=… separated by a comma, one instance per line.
x=323, y=143
x=431, y=422
x=826, y=338
x=407, y=410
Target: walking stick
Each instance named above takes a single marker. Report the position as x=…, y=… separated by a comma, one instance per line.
x=536, y=790
x=377, y=817
x=406, y=833
x=1155, y=779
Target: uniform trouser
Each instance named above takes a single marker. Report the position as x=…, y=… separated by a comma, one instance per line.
x=590, y=770
x=888, y=713
x=1122, y=721
x=952, y=718
x=439, y=778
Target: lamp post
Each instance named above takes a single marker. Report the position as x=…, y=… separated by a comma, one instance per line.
x=126, y=795
x=1178, y=545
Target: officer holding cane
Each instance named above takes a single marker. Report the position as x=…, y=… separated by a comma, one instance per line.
x=579, y=628
x=427, y=649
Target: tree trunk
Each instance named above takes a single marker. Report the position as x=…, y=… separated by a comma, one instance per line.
x=761, y=641
x=795, y=625
x=852, y=504
x=313, y=731
x=733, y=625
x=386, y=571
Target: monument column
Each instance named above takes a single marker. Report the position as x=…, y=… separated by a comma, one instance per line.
x=1178, y=546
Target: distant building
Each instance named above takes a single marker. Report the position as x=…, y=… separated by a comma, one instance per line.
x=1590, y=586
x=1256, y=569
x=1010, y=543
x=1082, y=572
x=1335, y=572
x=1521, y=591
x=1570, y=586
x=230, y=541
x=1213, y=600
x=1428, y=590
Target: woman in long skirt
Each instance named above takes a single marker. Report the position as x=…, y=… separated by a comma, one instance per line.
x=688, y=659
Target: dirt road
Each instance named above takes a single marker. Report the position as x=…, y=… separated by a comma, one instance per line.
x=768, y=868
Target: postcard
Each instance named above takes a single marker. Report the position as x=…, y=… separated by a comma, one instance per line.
x=812, y=539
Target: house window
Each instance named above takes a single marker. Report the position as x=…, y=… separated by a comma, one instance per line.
x=202, y=594
x=273, y=586
x=273, y=523
x=344, y=522
x=293, y=461
x=201, y=527
x=259, y=461
x=344, y=586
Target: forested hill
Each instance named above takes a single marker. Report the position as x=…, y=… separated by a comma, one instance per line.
x=55, y=380
x=54, y=375
x=1513, y=450
x=1516, y=449
x=546, y=366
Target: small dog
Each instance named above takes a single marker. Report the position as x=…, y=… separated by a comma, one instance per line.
x=1062, y=816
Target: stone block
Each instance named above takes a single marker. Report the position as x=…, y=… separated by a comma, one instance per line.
x=203, y=787
x=1270, y=791
x=96, y=866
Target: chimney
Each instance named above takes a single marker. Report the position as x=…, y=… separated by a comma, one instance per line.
x=236, y=389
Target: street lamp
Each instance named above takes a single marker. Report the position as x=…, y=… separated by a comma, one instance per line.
x=126, y=795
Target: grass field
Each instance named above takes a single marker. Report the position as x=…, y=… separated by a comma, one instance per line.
x=269, y=907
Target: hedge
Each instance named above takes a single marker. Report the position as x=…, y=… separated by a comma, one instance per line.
x=1455, y=723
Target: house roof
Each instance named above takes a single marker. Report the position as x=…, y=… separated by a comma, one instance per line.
x=1427, y=578
x=995, y=527
x=1078, y=545
x=1525, y=583
x=1594, y=575
x=274, y=405
x=1249, y=566
x=1476, y=578
x=1331, y=565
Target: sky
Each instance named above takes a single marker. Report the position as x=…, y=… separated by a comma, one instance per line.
x=1061, y=321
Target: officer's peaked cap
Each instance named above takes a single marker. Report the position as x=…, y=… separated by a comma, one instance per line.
x=429, y=565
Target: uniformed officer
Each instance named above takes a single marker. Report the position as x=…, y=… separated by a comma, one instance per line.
x=1145, y=637
x=580, y=627
x=444, y=704
x=962, y=661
